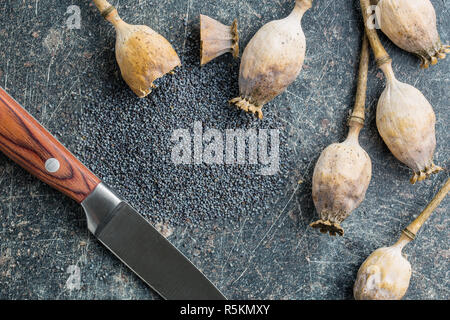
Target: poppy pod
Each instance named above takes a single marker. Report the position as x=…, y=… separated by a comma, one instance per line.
x=411, y=25
x=405, y=119
x=406, y=122
x=386, y=273
x=343, y=172
x=272, y=60
x=340, y=180
x=143, y=55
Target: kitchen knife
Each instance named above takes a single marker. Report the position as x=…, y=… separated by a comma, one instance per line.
x=115, y=223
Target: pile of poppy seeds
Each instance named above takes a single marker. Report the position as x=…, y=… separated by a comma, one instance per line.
x=128, y=143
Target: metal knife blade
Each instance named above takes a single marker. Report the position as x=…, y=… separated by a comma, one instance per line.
x=144, y=250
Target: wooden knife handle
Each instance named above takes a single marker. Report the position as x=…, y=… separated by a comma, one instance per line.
x=31, y=146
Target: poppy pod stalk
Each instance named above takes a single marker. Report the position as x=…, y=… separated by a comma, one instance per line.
x=411, y=25
x=343, y=172
x=143, y=55
x=405, y=119
x=272, y=60
x=386, y=273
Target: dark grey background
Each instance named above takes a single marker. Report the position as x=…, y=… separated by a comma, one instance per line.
x=247, y=232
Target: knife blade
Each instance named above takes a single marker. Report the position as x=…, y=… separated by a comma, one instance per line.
x=110, y=219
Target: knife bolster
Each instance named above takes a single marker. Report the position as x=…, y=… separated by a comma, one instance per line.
x=99, y=207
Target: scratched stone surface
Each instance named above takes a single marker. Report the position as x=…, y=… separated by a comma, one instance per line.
x=247, y=232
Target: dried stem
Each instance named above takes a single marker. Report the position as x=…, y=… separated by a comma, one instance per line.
x=302, y=6
x=414, y=226
x=381, y=56
x=357, y=117
x=102, y=5
x=108, y=11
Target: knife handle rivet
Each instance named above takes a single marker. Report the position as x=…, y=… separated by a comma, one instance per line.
x=52, y=165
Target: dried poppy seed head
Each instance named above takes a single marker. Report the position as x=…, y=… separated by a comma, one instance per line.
x=343, y=172
x=142, y=54
x=272, y=60
x=217, y=39
x=411, y=25
x=340, y=181
x=384, y=275
x=406, y=122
